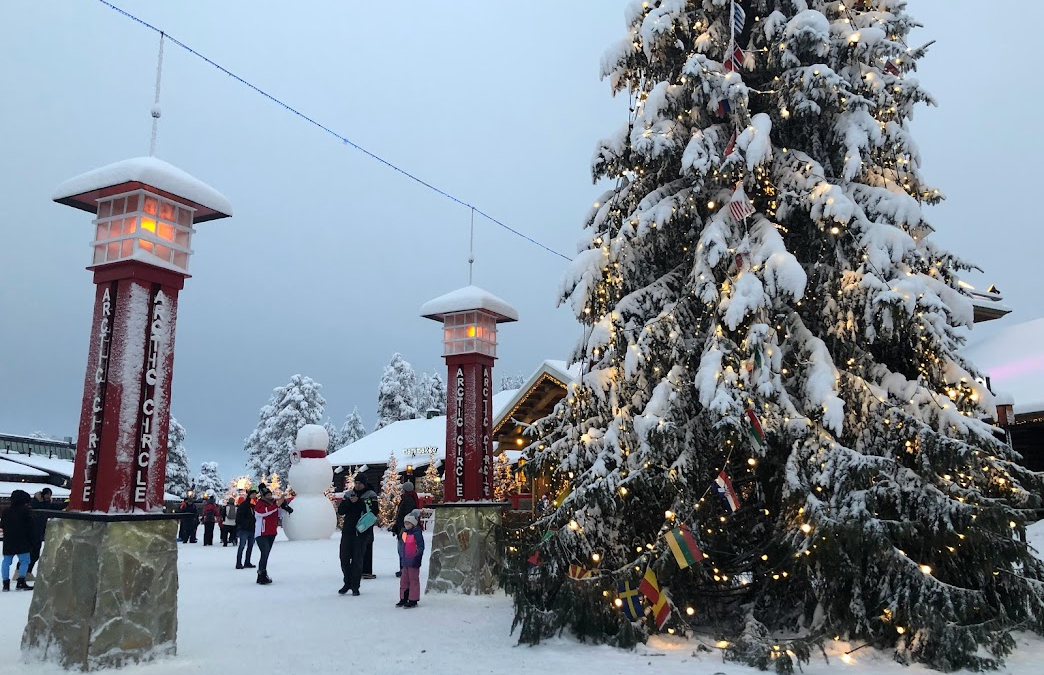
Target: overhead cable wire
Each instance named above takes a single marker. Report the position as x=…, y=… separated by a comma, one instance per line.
x=330, y=131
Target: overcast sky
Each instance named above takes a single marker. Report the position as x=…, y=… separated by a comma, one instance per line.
x=330, y=254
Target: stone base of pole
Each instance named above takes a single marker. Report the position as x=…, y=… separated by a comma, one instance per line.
x=106, y=592
x=463, y=555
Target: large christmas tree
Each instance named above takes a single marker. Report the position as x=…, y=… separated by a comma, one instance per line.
x=773, y=427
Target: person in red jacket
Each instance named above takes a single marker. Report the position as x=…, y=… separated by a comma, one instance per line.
x=211, y=516
x=266, y=518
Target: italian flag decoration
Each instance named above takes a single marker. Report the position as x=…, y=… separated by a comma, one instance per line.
x=753, y=427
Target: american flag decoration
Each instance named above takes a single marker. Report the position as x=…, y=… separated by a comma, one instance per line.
x=739, y=206
x=723, y=486
x=739, y=17
x=734, y=59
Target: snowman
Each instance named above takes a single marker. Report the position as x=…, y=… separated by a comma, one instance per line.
x=310, y=474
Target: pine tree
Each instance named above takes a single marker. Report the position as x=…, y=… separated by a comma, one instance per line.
x=178, y=481
x=352, y=429
x=291, y=407
x=391, y=492
x=509, y=382
x=503, y=478
x=764, y=262
x=209, y=482
x=396, y=393
x=432, y=482
x=334, y=436
x=431, y=394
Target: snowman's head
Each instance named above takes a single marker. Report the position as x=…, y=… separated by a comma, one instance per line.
x=312, y=437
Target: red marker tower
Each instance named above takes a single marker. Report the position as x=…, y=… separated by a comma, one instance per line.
x=469, y=316
x=145, y=211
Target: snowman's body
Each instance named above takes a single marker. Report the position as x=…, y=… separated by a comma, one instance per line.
x=310, y=474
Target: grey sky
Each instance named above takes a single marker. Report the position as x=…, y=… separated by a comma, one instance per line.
x=330, y=254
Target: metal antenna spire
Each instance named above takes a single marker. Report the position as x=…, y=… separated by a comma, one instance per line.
x=156, y=112
x=471, y=248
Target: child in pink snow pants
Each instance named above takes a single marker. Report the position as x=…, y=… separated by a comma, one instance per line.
x=411, y=552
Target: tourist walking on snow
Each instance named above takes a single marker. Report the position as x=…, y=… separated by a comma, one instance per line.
x=356, y=503
x=411, y=552
x=228, y=522
x=41, y=504
x=19, y=538
x=266, y=516
x=245, y=530
x=211, y=516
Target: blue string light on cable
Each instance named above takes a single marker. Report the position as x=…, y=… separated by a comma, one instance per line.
x=333, y=133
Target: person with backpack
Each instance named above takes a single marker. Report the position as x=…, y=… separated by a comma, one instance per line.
x=245, y=530
x=211, y=515
x=19, y=538
x=228, y=522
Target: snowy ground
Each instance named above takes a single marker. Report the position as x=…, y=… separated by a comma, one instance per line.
x=299, y=624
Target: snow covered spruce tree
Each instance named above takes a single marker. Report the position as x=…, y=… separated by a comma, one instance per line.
x=178, y=481
x=291, y=407
x=431, y=394
x=352, y=430
x=396, y=393
x=391, y=492
x=432, y=482
x=209, y=482
x=768, y=320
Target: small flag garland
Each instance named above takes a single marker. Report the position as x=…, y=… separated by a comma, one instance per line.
x=734, y=59
x=579, y=572
x=739, y=18
x=723, y=486
x=684, y=547
x=632, y=606
x=739, y=206
x=753, y=426
x=649, y=587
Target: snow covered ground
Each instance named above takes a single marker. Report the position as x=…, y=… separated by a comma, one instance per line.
x=299, y=624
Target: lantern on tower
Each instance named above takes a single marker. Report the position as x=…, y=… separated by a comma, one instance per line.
x=469, y=319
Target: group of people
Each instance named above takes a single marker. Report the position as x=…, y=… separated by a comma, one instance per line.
x=359, y=509
x=25, y=525
x=255, y=520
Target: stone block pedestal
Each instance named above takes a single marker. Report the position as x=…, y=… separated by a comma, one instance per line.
x=463, y=548
x=106, y=593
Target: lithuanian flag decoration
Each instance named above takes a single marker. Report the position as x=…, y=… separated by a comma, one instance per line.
x=683, y=546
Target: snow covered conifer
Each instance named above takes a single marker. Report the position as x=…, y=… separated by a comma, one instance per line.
x=391, y=492
x=432, y=482
x=352, y=429
x=334, y=436
x=178, y=480
x=291, y=407
x=765, y=308
x=509, y=382
x=431, y=394
x=503, y=478
x=396, y=393
x=209, y=482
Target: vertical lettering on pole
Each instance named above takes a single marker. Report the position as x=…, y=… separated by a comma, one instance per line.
x=147, y=409
x=458, y=464
x=99, y=382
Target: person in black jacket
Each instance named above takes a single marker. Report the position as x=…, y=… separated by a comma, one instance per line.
x=245, y=530
x=356, y=502
x=408, y=503
x=41, y=504
x=19, y=538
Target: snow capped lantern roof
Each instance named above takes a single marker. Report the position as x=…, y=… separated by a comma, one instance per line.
x=468, y=298
x=83, y=191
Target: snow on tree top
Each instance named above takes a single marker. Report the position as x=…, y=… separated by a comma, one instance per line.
x=312, y=437
x=81, y=191
x=1014, y=361
x=463, y=299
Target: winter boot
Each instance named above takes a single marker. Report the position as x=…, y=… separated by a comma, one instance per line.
x=344, y=589
x=263, y=578
x=403, y=600
x=239, y=565
x=410, y=603
x=7, y=585
x=22, y=586
x=248, y=565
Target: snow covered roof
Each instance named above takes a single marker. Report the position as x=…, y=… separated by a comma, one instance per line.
x=6, y=488
x=50, y=465
x=557, y=370
x=413, y=441
x=463, y=299
x=9, y=468
x=1014, y=361
x=82, y=191
x=987, y=305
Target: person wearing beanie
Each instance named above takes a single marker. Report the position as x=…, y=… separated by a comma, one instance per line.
x=211, y=516
x=354, y=542
x=267, y=512
x=19, y=538
x=411, y=553
x=407, y=504
x=245, y=529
